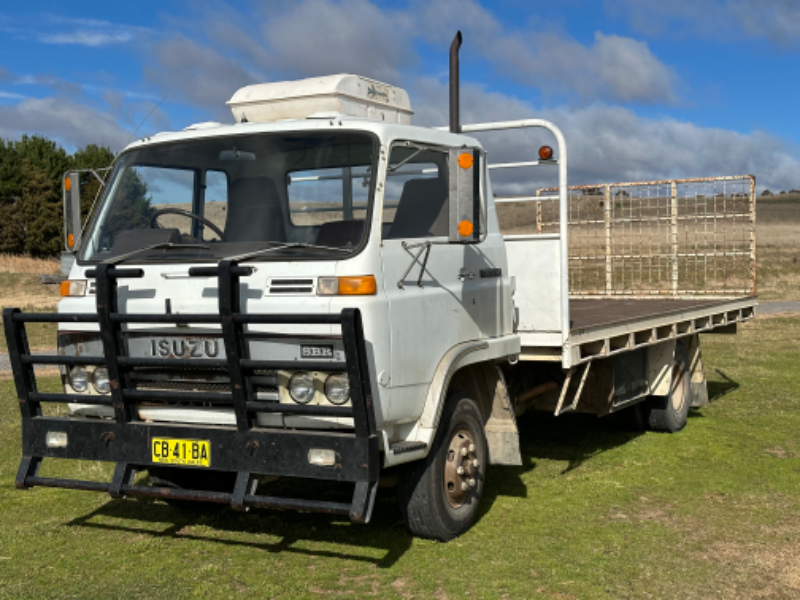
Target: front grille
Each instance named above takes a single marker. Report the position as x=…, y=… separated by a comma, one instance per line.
x=181, y=386
x=265, y=383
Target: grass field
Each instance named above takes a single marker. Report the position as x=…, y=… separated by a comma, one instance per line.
x=595, y=512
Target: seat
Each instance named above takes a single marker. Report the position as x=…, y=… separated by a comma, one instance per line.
x=422, y=210
x=254, y=212
x=341, y=234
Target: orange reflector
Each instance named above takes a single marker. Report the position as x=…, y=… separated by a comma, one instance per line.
x=68, y=183
x=545, y=153
x=70, y=241
x=65, y=288
x=465, y=160
x=364, y=285
x=465, y=228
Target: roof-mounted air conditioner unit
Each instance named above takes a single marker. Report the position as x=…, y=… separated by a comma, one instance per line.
x=346, y=94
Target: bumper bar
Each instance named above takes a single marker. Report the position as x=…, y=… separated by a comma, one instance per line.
x=245, y=449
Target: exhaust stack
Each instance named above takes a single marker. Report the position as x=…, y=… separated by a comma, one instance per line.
x=455, y=117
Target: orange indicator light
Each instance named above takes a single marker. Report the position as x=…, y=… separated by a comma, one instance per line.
x=364, y=285
x=465, y=160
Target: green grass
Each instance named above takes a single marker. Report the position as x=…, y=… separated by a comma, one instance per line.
x=595, y=512
x=25, y=291
x=41, y=336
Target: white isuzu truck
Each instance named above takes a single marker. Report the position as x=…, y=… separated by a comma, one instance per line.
x=323, y=291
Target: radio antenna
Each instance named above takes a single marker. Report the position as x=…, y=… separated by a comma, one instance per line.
x=147, y=116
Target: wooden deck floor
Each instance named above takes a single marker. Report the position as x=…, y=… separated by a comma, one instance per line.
x=596, y=312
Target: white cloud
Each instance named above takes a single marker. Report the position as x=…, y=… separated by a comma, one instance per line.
x=85, y=38
x=317, y=37
x=613, y=68
x=69, y=123
x=12, y=96
x=611, y=144
x=777, y=21
x=187, y=70
x=61, y=30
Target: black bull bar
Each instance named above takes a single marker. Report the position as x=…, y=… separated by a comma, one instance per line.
x=244, y=449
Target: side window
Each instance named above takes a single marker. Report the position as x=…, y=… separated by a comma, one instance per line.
x=415, y=203
x=215, y=207
x=326, y=195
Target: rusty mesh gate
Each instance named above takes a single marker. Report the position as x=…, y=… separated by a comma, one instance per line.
x=675, y=237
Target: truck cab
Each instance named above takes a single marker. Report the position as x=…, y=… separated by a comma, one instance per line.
x=328, y=212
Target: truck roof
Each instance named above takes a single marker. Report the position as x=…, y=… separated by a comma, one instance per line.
x=318, y=122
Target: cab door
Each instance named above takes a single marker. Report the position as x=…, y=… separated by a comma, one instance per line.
x=431, y=285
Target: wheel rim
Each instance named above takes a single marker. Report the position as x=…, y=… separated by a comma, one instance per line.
x=461, y=468
x=678, y=389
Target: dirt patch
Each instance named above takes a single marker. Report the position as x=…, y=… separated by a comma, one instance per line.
x=777, y=452
x=754, y=561
x=759, y=570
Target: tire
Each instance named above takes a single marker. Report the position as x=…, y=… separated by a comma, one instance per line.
x=438, y=502
x=191, y=479
x=669, y=413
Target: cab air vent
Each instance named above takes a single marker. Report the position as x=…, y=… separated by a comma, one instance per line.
x=291, y=287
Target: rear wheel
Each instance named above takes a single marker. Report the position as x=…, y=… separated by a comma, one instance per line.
x=669, y=413
x=439, y=496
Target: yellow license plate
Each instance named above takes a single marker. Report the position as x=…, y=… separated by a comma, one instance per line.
x=195, y=453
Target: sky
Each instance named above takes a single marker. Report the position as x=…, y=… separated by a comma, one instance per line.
x=642, y=89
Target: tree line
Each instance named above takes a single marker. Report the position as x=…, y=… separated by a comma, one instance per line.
x=31, y=171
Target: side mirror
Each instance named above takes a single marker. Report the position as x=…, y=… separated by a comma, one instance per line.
x=465, y=199
x=72, y=211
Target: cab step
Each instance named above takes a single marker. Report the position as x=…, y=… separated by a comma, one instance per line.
x=404, y=446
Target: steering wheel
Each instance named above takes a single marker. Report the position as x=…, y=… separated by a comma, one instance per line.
x=185, y=213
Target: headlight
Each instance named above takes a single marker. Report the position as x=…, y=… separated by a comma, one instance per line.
x=301, y=387
x=79, y=379
x=337, y=388
x=100, y=380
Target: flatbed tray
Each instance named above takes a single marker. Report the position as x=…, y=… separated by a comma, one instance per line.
x=586, y=313
x=602, y=327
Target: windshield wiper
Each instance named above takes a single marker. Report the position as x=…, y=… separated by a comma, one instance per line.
x=162, y=246
x=284, y=246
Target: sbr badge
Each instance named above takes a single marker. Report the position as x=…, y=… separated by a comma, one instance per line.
x=324, y=351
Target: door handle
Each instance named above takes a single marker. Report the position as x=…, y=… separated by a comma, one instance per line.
x=464, y=274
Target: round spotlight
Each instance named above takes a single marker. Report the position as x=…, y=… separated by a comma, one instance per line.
x=79, y=379
x=301, y=387
x=100, y=380
x=337, y=388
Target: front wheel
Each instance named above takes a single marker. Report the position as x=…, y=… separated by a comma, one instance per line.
x=439, y=496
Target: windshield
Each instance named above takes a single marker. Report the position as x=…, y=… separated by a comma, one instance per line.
x=213, y=198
